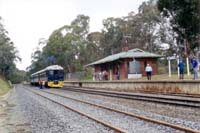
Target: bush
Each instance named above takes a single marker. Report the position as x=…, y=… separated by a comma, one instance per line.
x=4, y=87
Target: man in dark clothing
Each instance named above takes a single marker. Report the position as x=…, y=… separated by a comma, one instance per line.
x=148, y=70
x=181, y=70
x=195, y=67
x=40, y=84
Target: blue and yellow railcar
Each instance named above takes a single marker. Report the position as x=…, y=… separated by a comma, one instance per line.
x=52, y=75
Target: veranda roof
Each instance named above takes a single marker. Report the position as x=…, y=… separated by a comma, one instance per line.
x=133, y=53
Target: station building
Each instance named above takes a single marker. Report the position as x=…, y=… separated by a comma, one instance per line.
x=126, y=64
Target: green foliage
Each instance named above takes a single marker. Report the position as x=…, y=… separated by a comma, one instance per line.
x=67, y=45
x=18, y=76
x=112, y=36
x=8, y=54
x=94, y=49
x=4, y=86
x=72, y=46
x=145, y=30
x=185, y=19
x=89, y=74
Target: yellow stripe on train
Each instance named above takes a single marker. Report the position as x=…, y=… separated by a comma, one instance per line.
x=53, y=84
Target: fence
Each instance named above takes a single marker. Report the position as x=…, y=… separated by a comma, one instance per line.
x=75, y=76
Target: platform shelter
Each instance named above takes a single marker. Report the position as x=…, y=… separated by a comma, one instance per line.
x=126, y=64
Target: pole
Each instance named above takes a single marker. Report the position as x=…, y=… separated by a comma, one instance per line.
x=169, y=64
x=188, y=69
x=178, y=67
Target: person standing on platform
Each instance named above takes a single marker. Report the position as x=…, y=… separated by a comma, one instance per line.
x=117, y=75
x=148, y=71
x=195, y=67
x=105, y=74
x=181, y=69
x=100, y=75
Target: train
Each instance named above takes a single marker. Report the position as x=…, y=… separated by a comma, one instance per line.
x=53, y=76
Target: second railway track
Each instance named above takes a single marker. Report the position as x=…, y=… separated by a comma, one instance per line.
x=164, y=99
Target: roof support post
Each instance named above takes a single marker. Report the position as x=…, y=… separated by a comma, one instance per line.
x=169, y=65
x=188, y=68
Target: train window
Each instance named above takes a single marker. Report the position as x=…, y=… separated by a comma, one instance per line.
x=56, y=72
x=55, y=75
x=51, y=72
x=59, y=74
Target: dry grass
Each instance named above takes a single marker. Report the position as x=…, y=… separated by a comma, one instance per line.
x=4, y=87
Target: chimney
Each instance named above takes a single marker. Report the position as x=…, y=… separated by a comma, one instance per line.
x=125, y=45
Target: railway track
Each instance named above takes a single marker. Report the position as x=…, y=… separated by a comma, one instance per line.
x=174, y=94
x=177, y=100
x=117, y=129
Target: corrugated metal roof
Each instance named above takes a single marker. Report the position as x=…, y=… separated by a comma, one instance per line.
x=52, y=67
x=133, y=53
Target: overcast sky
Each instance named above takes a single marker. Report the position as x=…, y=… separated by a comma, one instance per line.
x=29, y=20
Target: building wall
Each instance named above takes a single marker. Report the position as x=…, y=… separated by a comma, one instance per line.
x=123, y=67
x=152, y=62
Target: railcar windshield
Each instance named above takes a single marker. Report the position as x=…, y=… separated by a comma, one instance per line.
x=55, y=75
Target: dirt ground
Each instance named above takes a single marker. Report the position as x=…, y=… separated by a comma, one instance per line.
x=11, y=119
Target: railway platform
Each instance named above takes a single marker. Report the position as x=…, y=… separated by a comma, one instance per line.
x=186, y=87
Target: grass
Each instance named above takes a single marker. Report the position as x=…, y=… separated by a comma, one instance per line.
x=4, y=87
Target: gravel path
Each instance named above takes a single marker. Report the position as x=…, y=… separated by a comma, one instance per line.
x=188, y=117
x=11, y=118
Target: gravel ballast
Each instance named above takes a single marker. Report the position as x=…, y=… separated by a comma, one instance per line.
x=37, y=114
x=45, y=116
x=117, y=119
x=188, y=117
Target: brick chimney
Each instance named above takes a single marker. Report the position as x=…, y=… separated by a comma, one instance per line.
x=125, y=44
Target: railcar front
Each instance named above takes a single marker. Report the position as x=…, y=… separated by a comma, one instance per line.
x=55, y=77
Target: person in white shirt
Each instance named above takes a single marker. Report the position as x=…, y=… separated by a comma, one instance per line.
x=148, y=71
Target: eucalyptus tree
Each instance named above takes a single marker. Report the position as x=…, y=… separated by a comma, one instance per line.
x=94, y=48
x=149, y=18
x=149, y=30
x=80, y=32
x=38, y=61
x=8, y=53
x=185, y=21
x=67, y=45
x=112, y=36
x=145, y=29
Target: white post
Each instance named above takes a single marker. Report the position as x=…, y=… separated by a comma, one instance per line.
x=188, y=69
x=110, y=72
x=169, y=64
x=178, y=67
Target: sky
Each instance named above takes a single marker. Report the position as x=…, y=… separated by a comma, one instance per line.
x=29, y=20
